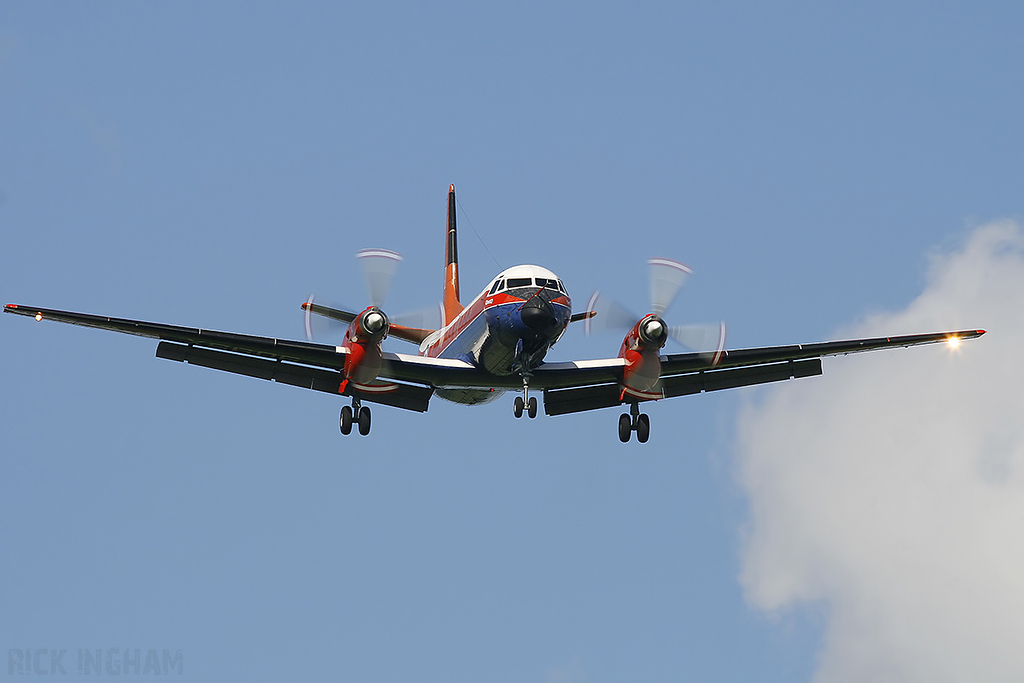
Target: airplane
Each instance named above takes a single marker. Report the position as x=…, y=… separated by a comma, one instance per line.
x=495, y=343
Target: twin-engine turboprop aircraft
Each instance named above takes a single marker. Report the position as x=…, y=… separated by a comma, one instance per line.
x=495, y=343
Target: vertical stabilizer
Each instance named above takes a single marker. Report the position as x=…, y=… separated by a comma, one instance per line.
x=451, y=306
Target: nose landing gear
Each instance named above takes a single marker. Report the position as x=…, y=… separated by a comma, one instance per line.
x=634, y=421
x=357, y=414
x=527, y=402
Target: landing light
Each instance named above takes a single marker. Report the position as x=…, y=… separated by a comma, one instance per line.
x=39, y=316
x=953, y=342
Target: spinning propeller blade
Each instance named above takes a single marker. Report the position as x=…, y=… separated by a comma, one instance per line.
x=708, y=339
x=425, y=319
x=379, y=267
x=608, y=315
x=320, y=321
x=667, y=278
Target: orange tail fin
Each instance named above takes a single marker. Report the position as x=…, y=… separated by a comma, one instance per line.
x=451, y=307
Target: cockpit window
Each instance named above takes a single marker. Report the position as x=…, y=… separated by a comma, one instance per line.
x=549, y=284
x=496, y=287
x=519, y=282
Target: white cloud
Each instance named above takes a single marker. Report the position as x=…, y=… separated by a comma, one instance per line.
x=890, y=491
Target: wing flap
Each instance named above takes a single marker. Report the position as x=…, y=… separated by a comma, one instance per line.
x=398, y=395
x=579, y=399
x=740, y=377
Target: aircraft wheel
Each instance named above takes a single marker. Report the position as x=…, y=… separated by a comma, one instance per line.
x=517, y=406
x=532, y=407
x=364, y=421
x=625, y=427
x=643, y=427
x=346, y=420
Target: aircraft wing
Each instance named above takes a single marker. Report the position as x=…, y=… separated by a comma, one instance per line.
x=240, y=351
x=303, y=364
x=692, y=373
x=407, y=381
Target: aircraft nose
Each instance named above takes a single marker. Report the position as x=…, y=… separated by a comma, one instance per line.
x=539, y=316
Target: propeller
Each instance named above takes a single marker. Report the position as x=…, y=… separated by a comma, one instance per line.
x=379, y=267
x=318, y=325
x=666, y=280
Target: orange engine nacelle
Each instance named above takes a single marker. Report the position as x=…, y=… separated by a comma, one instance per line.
x=640, y=350
x=363, y=345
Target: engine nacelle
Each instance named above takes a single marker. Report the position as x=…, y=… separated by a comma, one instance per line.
x=363, y=346
x=372, y=325
x=640, y=351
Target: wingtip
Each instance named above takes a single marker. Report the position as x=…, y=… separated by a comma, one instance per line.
x=451, y=188
x=10, y=307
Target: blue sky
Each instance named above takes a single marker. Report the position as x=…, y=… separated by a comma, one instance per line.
x=211, y=164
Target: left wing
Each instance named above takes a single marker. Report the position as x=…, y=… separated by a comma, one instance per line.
x=692, y=373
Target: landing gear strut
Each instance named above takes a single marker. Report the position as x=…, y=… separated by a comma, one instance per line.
x=355, y=414
x=634, y=421
x=525, y=401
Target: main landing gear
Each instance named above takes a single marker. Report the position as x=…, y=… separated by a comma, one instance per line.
x=355, y=414
x=527, y=402
x=635, y=421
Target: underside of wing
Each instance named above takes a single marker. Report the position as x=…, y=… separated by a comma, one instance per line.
x=303, y=364
x=692, y=373
x=396, y=394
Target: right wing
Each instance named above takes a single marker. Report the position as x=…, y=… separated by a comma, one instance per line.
x=302, y=364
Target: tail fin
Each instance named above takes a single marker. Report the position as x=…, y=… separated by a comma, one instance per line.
x=451, y=306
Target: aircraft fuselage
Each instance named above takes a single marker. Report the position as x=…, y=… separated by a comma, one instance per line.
x=506, y=329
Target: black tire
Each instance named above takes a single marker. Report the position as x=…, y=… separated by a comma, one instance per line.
x=532, y=407
x=625, y=428
x=346, y=420
x=643, y=427
x=517, y=406
x=364, y=421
